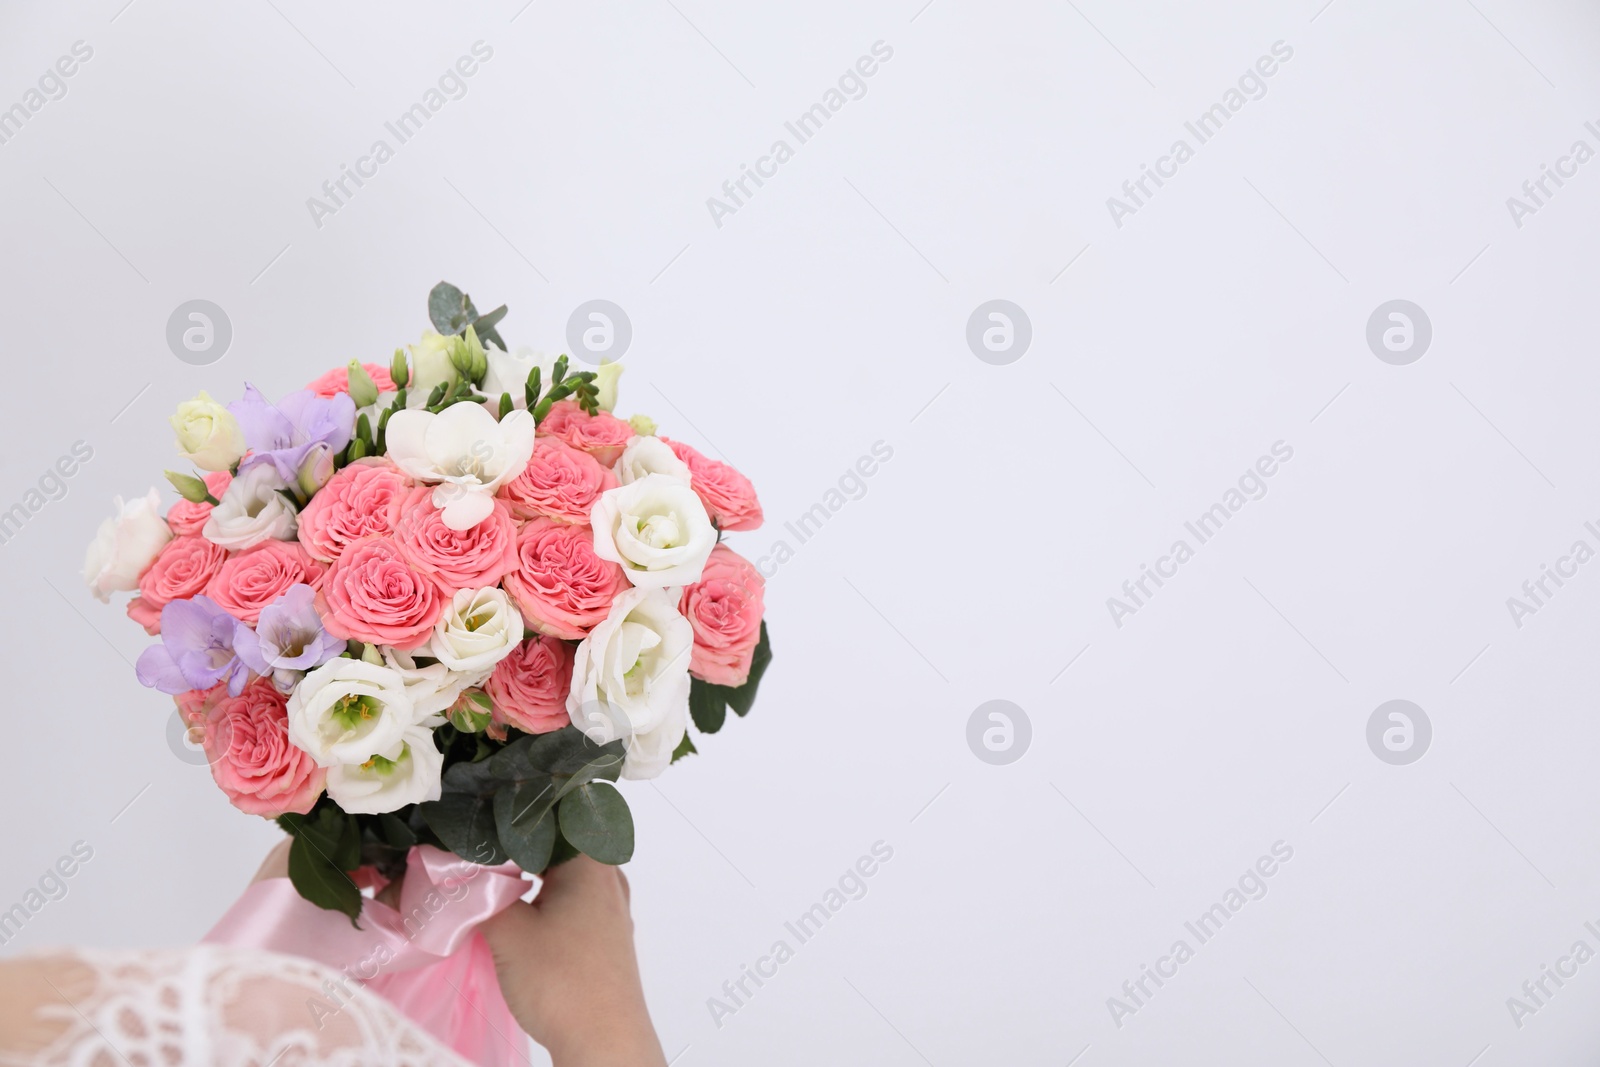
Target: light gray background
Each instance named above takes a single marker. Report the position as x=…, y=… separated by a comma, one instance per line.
x=830, y=313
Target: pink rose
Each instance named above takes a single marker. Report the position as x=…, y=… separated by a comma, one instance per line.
x=559, y=482
x=602, y=434
x=729, y=497
x=195, y=704
x=357, y=502
x=247, y=742
x=725, y=608
x=529, y=687
x=562, y=587
x=254, y=578
x=372, y=594
x=184, y=568
x=338, y=380
x=187, y=517
x=454, y=559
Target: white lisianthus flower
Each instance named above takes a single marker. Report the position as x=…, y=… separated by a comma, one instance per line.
x=480, y=628
x=434, y=688
x=649, y=455
x=605, y=384
x=464, y=452
x=208, y=434
x=508, y=373
x=347, y=709
x=388, y=781
x=630, y=680
x=430, y=365
x=252, y=510
x=125, y=546
x=657, y=528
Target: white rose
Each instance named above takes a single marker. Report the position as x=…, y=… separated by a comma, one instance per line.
x=125, y=546
x=649, y=455
x=347, y=709
x=657, y=528
x=463, y=451
x=208, y=434
x=480, y=628
x=252, y=510
x=430, y=365
x=630, y=680
x=508, y=373
x=433, y=688
x=605, y=383
x=407, y=774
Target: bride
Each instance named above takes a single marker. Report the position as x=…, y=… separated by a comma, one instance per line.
x=565, y=963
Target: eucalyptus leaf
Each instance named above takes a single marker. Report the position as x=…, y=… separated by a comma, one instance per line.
x=525, y=818
x=465, y=823
x=596, y=819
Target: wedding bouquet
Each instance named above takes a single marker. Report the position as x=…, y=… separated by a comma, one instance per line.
x=445, y=602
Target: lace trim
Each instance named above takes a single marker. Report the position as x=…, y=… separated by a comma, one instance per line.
x=205, y=1005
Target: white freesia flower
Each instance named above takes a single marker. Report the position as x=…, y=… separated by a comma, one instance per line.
x=125, y=545
x=649, y=455
x=480, y=628
x=252, y=510
x=508, y=373
x=605, y=383
x=630, y=680
x=434, y=688
x=463, y=451
x=347, y=710
x=430, y=366
x=208, y=434
x=656, y=527
x=387, y=781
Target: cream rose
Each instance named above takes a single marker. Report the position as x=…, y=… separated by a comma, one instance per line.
x=125, y=546
x=480, y=628
x=430, y=365
x=605, y=384
x=253, y=510
x=630, y=680
x=387, y=781
x=208, y=434
x=347, y=710
x=650, y=455
x=657, y=528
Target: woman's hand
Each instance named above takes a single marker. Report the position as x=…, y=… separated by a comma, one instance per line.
x=568, y=969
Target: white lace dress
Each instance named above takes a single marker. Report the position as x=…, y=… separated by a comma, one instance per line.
x=195, y=1007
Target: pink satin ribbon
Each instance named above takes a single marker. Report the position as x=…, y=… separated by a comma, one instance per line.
x=426, y=957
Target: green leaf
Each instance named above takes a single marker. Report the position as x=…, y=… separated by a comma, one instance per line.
x=506, y=406
x=743, y=698
x=525, y=817
x=322, y=882
x=597, y=821
x=708, y=704
x=447, y=309
x=485, y=325
x=465, y=824
x=685, y=748
x=327, y=844
x=394, y=832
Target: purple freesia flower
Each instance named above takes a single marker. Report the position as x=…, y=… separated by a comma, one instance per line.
x=288, y=638
x=283, y=433
x=196, y=649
